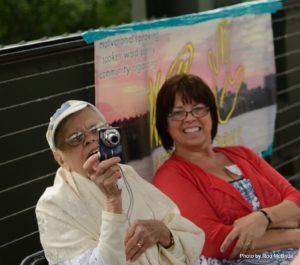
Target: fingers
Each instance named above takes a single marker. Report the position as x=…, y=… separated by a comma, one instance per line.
x=134, y=243
x=242, y=246
x=246, y=230
x=248, y=245
x=135, y=251
x=92, y=163
x=107, y=180
x=243, y=243
x=106, y=168
x=129, y=234
x=104, y=174
x=139, y=237
x=233, y=235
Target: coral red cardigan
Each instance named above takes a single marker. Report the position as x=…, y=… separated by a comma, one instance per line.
x=214, y=204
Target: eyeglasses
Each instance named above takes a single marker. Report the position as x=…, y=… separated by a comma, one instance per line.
x=197, y=112
x=79, y=137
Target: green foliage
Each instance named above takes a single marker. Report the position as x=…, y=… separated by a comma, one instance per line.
x=34, y=19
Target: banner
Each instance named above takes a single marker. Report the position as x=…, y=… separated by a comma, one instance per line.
x=230, y=48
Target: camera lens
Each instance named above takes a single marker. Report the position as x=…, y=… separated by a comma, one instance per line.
x=114, y=139
x=111, y=137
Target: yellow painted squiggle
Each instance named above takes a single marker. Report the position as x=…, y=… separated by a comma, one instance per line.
x=181, y=64
x=219, y=60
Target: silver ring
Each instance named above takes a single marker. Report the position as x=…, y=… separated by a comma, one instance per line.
x=139, y=245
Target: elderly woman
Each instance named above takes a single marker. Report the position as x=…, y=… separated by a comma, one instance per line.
x=249, y=212
x=102, y=212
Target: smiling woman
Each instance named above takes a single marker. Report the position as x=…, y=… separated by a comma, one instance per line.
x=232, y=194
x=101, y=212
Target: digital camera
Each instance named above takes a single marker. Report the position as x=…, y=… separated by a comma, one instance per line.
x=110, y=142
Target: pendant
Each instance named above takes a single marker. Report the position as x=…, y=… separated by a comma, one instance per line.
x=234, y=169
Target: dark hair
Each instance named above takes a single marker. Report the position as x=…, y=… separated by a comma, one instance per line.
x=190, y=88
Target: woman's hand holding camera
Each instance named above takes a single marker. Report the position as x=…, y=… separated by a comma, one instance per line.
x=105, y=175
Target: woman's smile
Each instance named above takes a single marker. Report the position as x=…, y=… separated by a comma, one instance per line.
x=191, y=130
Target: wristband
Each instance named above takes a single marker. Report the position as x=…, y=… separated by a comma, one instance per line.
x=267, y=216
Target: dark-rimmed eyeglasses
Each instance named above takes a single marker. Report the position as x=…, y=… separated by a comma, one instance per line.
x=79, y=137
x=197, y=112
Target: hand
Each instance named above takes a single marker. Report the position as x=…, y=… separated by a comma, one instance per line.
x=143, y=234
x=245, y=230
x=104, y=174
